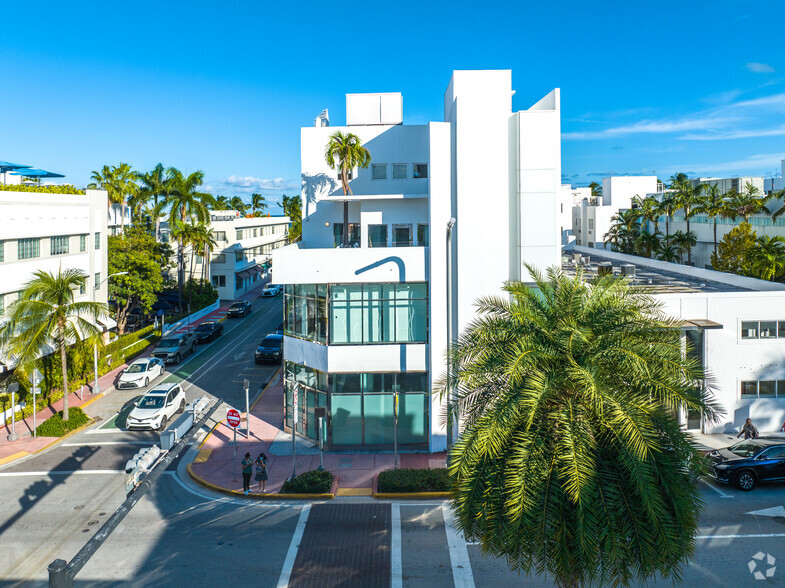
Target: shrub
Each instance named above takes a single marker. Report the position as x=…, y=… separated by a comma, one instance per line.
x=55, y=427
x=61, y=189
x=412, y=480
x=313, y=482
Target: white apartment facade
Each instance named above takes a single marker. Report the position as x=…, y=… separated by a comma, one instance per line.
x=446, y=212
x=42, y=231
x=592, y=220
x=736, y=326
x=243, y=252
x=775, y=184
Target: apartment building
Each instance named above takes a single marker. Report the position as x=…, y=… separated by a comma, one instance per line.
x=52, y=231
x=446, y=213
x=775, y=184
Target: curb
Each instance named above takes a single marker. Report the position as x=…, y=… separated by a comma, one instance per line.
x=411, y=495
x=255, y=496
x=273, y=379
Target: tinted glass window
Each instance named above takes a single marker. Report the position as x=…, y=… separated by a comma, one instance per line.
x=745, y=449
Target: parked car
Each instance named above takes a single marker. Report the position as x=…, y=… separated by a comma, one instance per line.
x=242, y=308
x=141, y=372
x=270, y=349
x=174, y=348
x=271, y=290
x=748, y=462
x=208, y=331
x=156, y=408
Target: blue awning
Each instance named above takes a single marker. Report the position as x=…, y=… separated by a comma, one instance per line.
x=37, y=173
x=8, y=166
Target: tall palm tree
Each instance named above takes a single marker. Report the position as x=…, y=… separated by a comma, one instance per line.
x=236, y=203
x=220, y=203
x=203, y=240
x=768, y=257
x=186, y=204
x=747, y=202
x=119, y=182
x=596, y=191
x=258, y=203
x=153, y=186
x=571, y=460
x=647, y=242
x=292, y=207
x=668, y=206
x=345, y=151
x=105, y=180
x=649, y=210
x=667, y=251
x=676, y=179
x=684, y=241
x=687, y=200
x=712, y=204
x=46, y=317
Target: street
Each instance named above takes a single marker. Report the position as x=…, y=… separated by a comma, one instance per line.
x=183, y=534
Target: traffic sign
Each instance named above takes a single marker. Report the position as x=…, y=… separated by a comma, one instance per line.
x=295, y=404
x=233, y=417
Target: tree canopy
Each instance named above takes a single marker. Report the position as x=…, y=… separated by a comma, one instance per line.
x=734, y=251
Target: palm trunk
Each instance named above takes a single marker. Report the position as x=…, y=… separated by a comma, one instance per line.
x=689, y=249
x=180, y=273
x=64, y=365
x=122, y=217
x=715, y=236
x=345, y=187
x=191, y=281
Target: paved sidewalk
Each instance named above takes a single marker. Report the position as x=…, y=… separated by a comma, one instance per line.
x=355, y=473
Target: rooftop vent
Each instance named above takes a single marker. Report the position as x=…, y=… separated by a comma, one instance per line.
x=627, y=269
x=605, y=268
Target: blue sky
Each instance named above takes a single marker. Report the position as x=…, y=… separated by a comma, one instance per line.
x=657, y=87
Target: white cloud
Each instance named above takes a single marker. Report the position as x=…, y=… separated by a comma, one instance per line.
x=756, y=67
x=251, y=182
x=738, y=134
x=653, y=126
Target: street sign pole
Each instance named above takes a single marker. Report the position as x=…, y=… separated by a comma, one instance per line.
x=395, y=427
x=233, y=420
x=13, y=389
x=37, y=378
x=235, y=454
x=247, y=410
x=321, y=446
x=295, y=407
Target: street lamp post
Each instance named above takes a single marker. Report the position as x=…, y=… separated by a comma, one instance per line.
x=96, y=385
x=451, y=421
x=246, y=385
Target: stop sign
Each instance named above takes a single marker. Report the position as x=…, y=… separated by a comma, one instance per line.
x=233, y=417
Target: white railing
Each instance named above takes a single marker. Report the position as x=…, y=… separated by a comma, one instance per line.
x=166, y=329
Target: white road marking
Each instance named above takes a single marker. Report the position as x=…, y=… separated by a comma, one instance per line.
x=102, y=443
x=459, y=556
x=61, y=473
x=774, y=511
x=291, y=555
x=396, y=567
x=749, y=536
x=717, y=490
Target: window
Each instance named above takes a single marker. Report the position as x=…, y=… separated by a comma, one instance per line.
x=420, y=170
x=219, y=281
x=305, y=311
x=422, y=235
x=402, y=235
x=58, y=245
x=768, y=329
x=763, y=329
x=377, y=235
x=98, y=240
x=591, y=224
x=400, y=171
x=379, y=171
x=29, y=248
x=82, y=288
x=82, y=243
x=2, y=251
x=378, y=313
x=98, y=281
x=354, y=234
x=749, y=330
x=239, y=235
x=219, y=235
x=239, y=256
x=763, y=389
x=220, y=258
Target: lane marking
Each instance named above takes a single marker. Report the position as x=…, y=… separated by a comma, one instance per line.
x=459, y=556
x=102, y=443
x=750, y=536
x=774, y=511
x=717, y=490
x=291, y=555
x=396, y=567
x=60, y=473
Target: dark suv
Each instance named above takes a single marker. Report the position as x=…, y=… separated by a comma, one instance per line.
x=748, y=462
x=270, y=349
x=208, y=331
x=242, y=308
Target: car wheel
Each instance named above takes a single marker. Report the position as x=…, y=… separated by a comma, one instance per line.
x=182, y=407
x=193, y=347
x=177, y=358
x=146, y=382
x=162, y=426
x=745, y=481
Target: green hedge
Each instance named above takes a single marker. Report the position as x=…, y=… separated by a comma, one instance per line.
x=61, y=189
x=55, y=427
x=313, y=482
x=411, y=480
x=128, y=339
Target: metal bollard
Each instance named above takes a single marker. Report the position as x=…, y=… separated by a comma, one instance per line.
x=59, y=577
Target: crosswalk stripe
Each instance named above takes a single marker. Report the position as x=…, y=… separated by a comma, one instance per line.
x=291, y=555
x=396, y=567
x=459, y=556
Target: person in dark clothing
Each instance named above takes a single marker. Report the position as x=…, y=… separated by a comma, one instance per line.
x=247, y=465
x=748, y=430
x=261, y=472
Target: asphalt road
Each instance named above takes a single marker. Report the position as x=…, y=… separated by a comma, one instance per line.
x=180, y=534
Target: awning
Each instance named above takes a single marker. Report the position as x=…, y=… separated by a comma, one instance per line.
x=37, y=173
x=243, y=274
x=699, y=324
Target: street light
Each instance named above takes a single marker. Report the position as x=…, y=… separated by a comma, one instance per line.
x=451, y=424
x=96, y=385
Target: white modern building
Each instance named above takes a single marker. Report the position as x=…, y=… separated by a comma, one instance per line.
x=43, y=231
x=736, y=326
x=445, y=214
x=775, y=184
x=569, y=198
x=242, y=256
x=592, y=220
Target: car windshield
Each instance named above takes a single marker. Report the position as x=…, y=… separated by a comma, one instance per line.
x=152, y=402
x=136, y=368
x=746, y=449
x=273, y=342
x=204, y=328
x=169, y=343
x=236, y=305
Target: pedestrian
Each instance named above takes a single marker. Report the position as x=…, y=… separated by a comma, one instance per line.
x=247, y=466
x=261, y=472
x=748, y=430
x=782, y=428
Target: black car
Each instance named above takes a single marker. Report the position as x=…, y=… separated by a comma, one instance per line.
x=748, y=462
x=242, y=308
x=270, y=349
x=208, y=331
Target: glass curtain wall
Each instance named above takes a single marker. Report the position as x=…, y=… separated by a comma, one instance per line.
x=305, y=311
x=312, y=393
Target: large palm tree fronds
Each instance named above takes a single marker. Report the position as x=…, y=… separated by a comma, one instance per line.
x=46, y=318
x=345, y=151
x=571, y=461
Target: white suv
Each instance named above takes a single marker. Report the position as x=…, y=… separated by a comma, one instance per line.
x=156, y=408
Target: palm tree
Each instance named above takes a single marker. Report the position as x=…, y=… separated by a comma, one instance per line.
x=292, y=207
x=153, y=186
x=768, y=257
x=186, y=204
x=676, y=179
x=687, y=200
x=571, y=460
x=236, y=203
x=203, y=239
x=649, y=210
x=104, y=180
x=667, y=251
x=345, y=151
x=684, y=242
x=46, y=317
x=119, y=182
x=220, y=203
x=596, y=191
x=746, y=203
x=648, y=242
x=258, y=203
x=668, y=206
x=712, y=204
